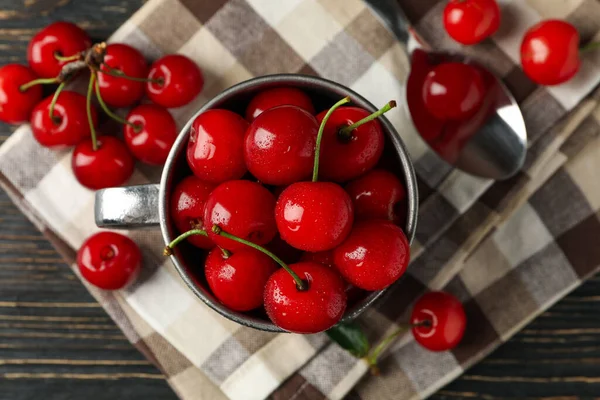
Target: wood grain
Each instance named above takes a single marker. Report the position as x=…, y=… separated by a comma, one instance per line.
x=57, y=343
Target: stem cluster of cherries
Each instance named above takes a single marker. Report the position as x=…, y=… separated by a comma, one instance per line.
x=119, y=76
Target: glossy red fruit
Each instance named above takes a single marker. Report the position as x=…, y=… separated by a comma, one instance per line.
x=109, y=260
x=187, y=208
x=110, y=165
x=375, y=255
x=181, y=81
x=550, y=52
x=471, y=21
x=321, y=257
x=70, y=123
x=347, y=157
x=238, y=281
x=314, y=310
x=16, y=105
x=243, y=209
x=453, y=91
x=314, y=216
x=215, y=150
x=279, y=146
x=119, y=91
x=275, y=97
x=439, y=321
x=155, y=131
x=59, y=38
x=378, y=194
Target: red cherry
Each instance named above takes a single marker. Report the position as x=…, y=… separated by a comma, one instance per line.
x=215, y=150
x=438, y=320
x=109, y=165
x=62, y=39
x=314, y=310
x=279, y=146
x=155, y=132
x=16, y=105
x=375, y=255
x=344, y=157
x=70, y=123
x=181, y=81
x=378, y=194
x=120, y=91
x=275, y=97
x=471, y=21
x=241, y=208
x=453, y=91
x=109, y=260
x=550, y=52
x=314, y=216
x=321, y=257
x=238, y=281
x=187, y=208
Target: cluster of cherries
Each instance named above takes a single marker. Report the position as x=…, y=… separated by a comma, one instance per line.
x=119, y=77
x=550, y=52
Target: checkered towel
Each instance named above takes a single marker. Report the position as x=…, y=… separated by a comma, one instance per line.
x=508, y=250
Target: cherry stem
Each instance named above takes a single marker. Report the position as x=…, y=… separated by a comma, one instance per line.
x=108, y=70
x=300, y=284
x=40, y=81
x=169, y=248
x=112, y=115
x=88, y=109
x=374, y=354
x=61, y=58
x=589, y=47
x=347, y=131
x=54, y=100
x=343, y=101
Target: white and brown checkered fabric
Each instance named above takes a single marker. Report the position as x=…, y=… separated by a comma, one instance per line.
x=508, y=249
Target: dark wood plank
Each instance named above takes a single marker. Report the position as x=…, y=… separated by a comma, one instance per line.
x=56, y=342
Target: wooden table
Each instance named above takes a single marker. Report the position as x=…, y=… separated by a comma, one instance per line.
x=56, y=342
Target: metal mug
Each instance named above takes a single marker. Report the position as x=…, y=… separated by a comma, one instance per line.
x=148, y=205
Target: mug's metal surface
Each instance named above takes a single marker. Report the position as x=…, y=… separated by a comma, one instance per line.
x=127, y=207
x=498, y=149
x=133, y=195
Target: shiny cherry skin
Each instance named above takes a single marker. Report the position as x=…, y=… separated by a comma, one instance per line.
x=378, y=194
x=314, y=310
x=110, y=165
x=153, y=134
x=180, y=81
x=187, y=208
x=344, y=158
x=243, y=209
x=215, y=150
x=109, y=260
x=439, y=321
x=550, y=52
x=375, y=255
x=238, y=281
x=119, y=91
x=314, y=216
x=69, y=126
x=275, y=97
x=279, y=147
x=453, y=91
x=471, y=21
x=321, y=257
x=59, y=38
x=16, y=105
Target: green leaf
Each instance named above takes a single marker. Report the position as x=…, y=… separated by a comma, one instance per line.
x=351, y=338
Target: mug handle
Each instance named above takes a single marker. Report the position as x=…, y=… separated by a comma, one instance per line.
x=127, y=207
